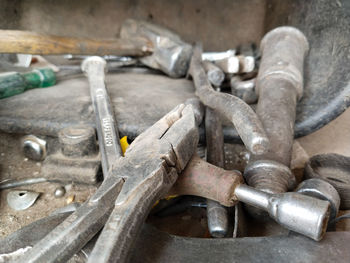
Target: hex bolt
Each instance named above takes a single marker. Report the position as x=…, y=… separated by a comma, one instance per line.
x=77, y=141
x=279, y=84
x=34, y=148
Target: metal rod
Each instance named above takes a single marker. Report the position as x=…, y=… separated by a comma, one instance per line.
x=216, y=213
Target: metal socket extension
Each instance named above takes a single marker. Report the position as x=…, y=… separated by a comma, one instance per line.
x=300, y=213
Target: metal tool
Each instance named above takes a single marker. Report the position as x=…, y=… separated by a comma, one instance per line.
x=170, y=54
x=214, y=56
x=237, y=111
x=21, y=199
x=215, y=75
x=300, y=213
x=335, y=169
x=34, y=148
x=279, y=85
x=149, y=168
x=216, y=213
x=75, y=231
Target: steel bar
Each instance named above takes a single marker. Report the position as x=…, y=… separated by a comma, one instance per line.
x=216, y=213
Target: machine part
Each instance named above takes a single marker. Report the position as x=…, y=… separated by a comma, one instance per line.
x=244, y=89
x=214, y=56
x=335, y=169
x=237, y=111
x=300, y=213
x=59, y=192
x=34, y=148
x=75, y=231
x=279, y=84
x=78, y=141
x=215, y=75
x=217, y=214
x=229, y=65
x=170, y=54
x=7, y=184
x=21, y=199
x=169, y=144
x=14, y=41
x=322, y=190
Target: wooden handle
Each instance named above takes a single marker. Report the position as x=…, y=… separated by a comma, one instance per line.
x=14, y=41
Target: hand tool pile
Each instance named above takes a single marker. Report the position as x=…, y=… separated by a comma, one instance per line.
x=162, y=160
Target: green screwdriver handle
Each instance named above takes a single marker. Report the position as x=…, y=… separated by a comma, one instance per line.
x=16, y=83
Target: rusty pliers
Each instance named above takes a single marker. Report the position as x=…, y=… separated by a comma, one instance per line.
x=132, y=183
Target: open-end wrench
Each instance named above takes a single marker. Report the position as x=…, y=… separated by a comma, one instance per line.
x=75, y=231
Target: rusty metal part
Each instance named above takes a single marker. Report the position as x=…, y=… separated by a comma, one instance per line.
x=335, y=169
x=217, y=214
x=203, y=179
x=170, y=54
x=237, y=111
x=75, y=231
x=215, y=75
x=244, y=89
x=279, y=85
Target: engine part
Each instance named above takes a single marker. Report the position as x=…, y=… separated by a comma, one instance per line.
x=237, y=111
x=322, y=190
x=216, y=213
x=335, y=169
x=300, y=213
x=279, y=84
x=215, y=75
x=170, y=54
x=244, y=89
x=21, y=199
x=15, y=41
x=34, y=148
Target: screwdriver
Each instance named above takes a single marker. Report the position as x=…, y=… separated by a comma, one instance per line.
x=13, y=83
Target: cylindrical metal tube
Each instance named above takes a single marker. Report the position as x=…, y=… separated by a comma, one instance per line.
x=279, y=85
x=300, y=213
x=216, y=213
x=215, y=75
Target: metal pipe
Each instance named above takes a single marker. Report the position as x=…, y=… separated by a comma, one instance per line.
x=279, y=85
x=216, y=213
x=215, y=75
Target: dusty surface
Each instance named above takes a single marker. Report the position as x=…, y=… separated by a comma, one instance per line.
x=15, y=165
